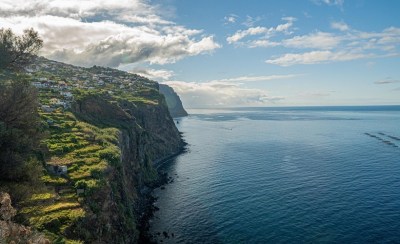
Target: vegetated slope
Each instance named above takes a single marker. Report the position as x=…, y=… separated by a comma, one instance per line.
x=106, y=130
x=173, y=101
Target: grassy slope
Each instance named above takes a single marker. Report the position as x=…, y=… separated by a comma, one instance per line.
x=86, y=150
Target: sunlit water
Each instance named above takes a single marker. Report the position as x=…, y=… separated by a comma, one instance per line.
x=284, y=175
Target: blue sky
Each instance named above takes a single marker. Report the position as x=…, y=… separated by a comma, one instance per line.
x=231, y=53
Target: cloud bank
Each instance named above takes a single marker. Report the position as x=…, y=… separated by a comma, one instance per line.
x=229, y=92
x=220, y=94
x=342, y=43
x=105, y=32
x=347, y=45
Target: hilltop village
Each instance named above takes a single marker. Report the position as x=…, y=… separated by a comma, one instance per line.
x=56, y=82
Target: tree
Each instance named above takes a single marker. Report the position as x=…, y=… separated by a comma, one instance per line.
x=19, y=128
x=18, y=51
x=19, y=120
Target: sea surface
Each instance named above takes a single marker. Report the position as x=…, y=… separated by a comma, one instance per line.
x=284, y=175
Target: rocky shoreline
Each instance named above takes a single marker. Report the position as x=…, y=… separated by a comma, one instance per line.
x=149, y=200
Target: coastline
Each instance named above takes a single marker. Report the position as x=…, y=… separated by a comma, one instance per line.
x=160, y=162
x=148, y=199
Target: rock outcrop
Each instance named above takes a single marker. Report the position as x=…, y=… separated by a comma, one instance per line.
x=14, y=233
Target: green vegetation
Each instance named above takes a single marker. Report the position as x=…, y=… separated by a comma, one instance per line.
x=19, y=122
x=61, y=140
x=20, y=137
x=87, y=151
x=17, y=51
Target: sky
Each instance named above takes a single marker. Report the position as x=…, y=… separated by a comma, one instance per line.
x=230, y=53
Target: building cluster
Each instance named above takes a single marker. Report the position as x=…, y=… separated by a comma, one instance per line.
x=57, y=82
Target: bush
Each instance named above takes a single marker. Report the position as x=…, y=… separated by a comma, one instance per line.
x=96, y=173
x=53, y=225
x=111, y=154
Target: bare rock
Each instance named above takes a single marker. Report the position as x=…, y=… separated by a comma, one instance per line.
x=14, y=233
x=7, y=212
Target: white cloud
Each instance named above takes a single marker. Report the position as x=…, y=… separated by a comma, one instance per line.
x=78, y=9
x=284, y=27
x=319, y=40
x=260, y=30
x=220, y=94
x=250, y=21
x=338, y=3
x=389, y=36
x=263, y=43
x=76, y=31
x=387, y=81
x=289, y=19
x=315, y=57
x=257, y=78
x=154, y=74
x=340, y=26
x=226, y=92
x=347, y=40
x=249, y=32
x=230, y=19
x=327, y=47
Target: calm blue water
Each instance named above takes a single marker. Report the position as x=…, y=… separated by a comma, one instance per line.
x=285, y=175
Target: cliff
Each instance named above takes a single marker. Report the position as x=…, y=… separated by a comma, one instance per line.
x=174, y=103
x=106, y=131
x=146, y=135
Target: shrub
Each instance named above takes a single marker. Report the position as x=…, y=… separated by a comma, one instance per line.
x=111, y=154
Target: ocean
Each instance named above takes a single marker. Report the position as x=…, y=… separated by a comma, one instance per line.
x=284, y=175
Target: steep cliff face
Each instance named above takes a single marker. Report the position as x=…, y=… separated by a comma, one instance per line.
x=152, y=122
x=173, y=101
x=147, y=134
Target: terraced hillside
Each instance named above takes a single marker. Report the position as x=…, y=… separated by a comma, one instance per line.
x=104, y=129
